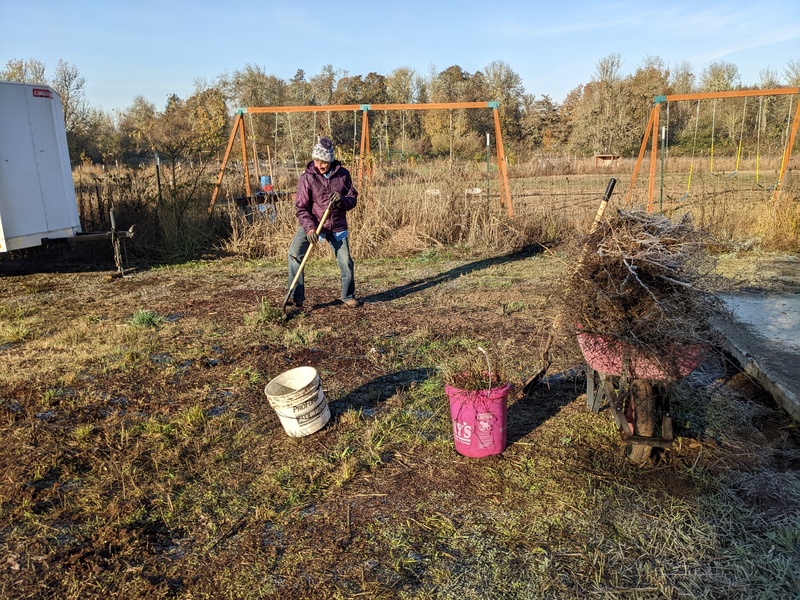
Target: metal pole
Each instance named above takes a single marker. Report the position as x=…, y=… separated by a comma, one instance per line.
x=451, y=139
x=487, y=165
x=663, y=153
x=158, y=180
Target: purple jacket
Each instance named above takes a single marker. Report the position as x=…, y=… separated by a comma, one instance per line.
x=313, y=192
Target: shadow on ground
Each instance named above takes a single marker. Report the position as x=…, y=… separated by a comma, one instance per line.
x=429, y=282
x=59, y=257
x=367, y=397
x=542, y=402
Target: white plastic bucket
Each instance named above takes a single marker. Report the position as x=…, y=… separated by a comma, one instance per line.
x=298, y=400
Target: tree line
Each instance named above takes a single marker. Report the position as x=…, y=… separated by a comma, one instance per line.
x=607, y=114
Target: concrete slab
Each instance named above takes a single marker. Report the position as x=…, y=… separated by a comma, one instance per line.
x=763, y=335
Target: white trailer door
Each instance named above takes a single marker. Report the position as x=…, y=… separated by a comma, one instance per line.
x=37, y=194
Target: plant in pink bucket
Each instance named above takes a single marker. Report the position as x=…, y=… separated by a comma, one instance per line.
x=478, y=410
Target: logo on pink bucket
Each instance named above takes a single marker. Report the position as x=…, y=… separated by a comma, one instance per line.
x=479, y=420
x=462, y=431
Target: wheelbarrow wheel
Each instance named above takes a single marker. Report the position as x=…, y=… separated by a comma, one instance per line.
x=641, y=407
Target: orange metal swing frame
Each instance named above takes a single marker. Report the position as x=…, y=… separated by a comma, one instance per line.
x=362, y=165
x=651, y=133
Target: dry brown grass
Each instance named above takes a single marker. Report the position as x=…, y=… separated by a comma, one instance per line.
x=407, y=207
x=402, y=213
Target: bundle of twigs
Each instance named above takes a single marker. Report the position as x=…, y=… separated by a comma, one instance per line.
x=640, y=280
x=473, y=372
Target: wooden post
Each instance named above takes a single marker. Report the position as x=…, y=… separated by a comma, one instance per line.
x=234, y=131
x=787, y=153
x=505, y=192
x=269, y=162
x=642, y=150
x=653, y=156
x=255, y=151
x=243, y=139
x=363, y=163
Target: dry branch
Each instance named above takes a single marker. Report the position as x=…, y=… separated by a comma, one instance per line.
x=643, y=280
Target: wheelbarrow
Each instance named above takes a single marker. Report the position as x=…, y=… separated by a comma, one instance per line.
x=636, y=383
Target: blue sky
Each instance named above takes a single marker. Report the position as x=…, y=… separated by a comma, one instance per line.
x=155, y=48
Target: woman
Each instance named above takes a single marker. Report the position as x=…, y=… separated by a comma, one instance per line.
x=325, y=181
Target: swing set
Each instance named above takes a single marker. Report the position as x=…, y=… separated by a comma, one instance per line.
x=362, y=160
x=651, y=135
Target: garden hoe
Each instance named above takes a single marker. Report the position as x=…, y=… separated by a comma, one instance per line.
x=305, y=258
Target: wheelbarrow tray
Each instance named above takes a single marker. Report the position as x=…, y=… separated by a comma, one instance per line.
x=613, y=359
x=607, y=355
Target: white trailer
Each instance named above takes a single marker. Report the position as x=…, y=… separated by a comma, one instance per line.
x=37, y=193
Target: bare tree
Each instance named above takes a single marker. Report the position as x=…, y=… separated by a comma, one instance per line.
x=793, y=72
x=505, y=86
x=299, y=91
x=447, y=129
x=681, y=114
x=719, y=76
x=24, y=71
x=682, y=79
x=253, y=86
x=323, y=84
x=768, y=79
x=598, y=114
x=402, y=85
x=69, y=83
x=607, y=70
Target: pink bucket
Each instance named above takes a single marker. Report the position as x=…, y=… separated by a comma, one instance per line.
x=479, y=420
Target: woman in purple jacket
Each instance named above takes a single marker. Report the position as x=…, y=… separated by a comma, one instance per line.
x=325, y=181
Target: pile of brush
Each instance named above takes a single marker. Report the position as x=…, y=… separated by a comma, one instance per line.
x=642, y=279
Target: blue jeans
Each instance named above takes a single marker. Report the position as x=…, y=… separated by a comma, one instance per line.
x=341, y=249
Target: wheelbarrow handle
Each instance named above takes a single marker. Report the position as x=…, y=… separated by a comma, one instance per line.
x=609, y=189
x=602, y=209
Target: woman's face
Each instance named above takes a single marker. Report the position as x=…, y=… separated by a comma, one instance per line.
x=322, y=166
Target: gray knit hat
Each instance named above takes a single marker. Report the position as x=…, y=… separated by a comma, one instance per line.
x=323, y=150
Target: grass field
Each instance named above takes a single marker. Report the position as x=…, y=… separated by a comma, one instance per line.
x=141, y=459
